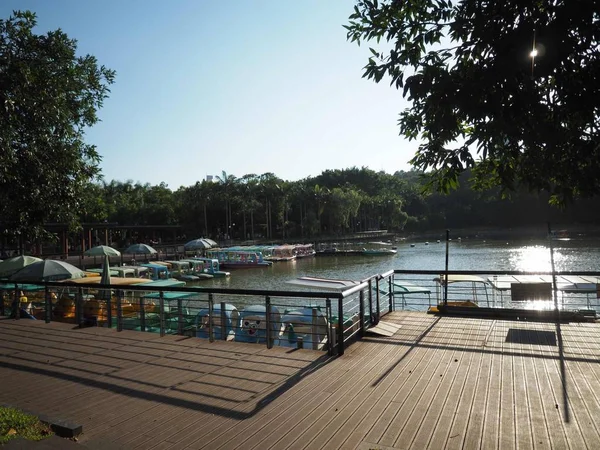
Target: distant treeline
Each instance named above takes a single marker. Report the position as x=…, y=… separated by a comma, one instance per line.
x=333, y=203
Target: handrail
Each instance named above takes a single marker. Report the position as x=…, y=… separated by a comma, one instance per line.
x=494, y=272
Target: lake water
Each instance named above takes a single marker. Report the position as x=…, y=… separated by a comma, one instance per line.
x=468, y=254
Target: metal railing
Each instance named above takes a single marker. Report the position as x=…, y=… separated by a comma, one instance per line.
x=315, y=320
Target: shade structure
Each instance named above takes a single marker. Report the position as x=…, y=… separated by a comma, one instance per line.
x=197, y=244
x=48, y=270
x=144, y=249
x=102, y=250
x=105, y=278
x=13, y=265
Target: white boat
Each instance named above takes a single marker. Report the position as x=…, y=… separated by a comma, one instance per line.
x=323, y=284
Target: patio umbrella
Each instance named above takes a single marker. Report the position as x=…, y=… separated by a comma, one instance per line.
x=105, y=278
x=211, y=242
x=197, y=244
x=102, y=250
x=48, y=270
x=144, y=249
x=13, y=265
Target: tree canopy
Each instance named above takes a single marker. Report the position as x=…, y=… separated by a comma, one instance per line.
x=48, y=97
x=510, y=89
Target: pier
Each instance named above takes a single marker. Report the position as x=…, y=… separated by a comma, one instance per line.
x=438, y=382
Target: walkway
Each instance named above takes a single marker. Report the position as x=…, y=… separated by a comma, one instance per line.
x=439, y=382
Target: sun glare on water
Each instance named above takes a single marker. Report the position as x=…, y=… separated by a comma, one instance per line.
x=533, y=259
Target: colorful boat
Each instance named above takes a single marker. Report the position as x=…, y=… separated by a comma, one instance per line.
x=211, y=267
x=253, y=324
x=282, y=253
x=238, y=259
x=223, y=324
x=304, y=250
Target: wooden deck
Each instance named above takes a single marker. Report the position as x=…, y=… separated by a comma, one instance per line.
x=437, y=383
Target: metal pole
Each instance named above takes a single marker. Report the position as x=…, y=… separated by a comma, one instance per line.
x=162, y=313
x=211, y=336
x=340, y=329
x=446, y=276
x=79, y=307
x=390, y=292
x=108, y=294
x=370, y=305
x=224, y=330
x=142, y=314
x=377, y=307
x=269, y=325
x=119, y=310
x=16, y=310
x=555, y=292
x=361, y=313
x=48, y=304
x=329, y=327
x=180, y=316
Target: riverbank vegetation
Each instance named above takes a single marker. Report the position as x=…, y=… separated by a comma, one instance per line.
x=336, y=202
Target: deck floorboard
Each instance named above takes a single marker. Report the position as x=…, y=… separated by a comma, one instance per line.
x=436, y=383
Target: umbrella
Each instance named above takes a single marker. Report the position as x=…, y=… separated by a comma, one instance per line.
x=12, y=265
x=211, y=242
x=140, y=248
x=48, y=270
x=105, y=278
x=102, y=250
x=197, y=244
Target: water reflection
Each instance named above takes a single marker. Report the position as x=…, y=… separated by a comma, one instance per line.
x=532, y=258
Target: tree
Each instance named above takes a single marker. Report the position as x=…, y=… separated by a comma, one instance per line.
x=510, y=89
x=48, y=97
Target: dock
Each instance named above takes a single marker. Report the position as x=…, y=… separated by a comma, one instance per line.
x=437, y=382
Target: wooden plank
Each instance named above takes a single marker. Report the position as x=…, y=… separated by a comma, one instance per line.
x=384, y=329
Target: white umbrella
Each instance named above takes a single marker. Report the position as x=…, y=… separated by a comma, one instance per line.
x=13, y=265
x=102, y=250
x=145, y=249
x=211, y=242
x=197, y=244
x=48, y=270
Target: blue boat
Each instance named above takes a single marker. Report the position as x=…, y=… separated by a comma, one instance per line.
x=220, y=329
x=157, y=271
x=253, y=324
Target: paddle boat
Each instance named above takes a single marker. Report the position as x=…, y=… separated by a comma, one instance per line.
x=157, y=271
x=180, y=270
x=303, y=328
x=253, y=324
x=211, y=267
x=223, y=324
x=237, y=259
x=197, y=269
x=282, y=253
x=139, y=271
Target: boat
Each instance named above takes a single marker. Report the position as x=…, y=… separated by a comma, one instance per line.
x=180, y=270
x=303, y=328
x=156, y=271
x=378, y=251
x=304, y=250
x=559, y=235
x=323, y=284
x=253, y=324
x=211, y=267
x=197, y=269
x=139, y=271
x=238, y=259
x=472, y=300
x=221, y=329
x=282, y=253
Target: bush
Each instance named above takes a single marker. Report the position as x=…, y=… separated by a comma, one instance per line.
x=15, y=424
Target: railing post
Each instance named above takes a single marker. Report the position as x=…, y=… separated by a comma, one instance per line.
x=269, y=325
x=16, y=310
x=224, y=330
x=377, y=307
x=142, y=312
x=180, y=316
x=119, y=310
x=108, y=297
x=391, y=292
x=329, y=327
x=161, y=313
x=2, y=306
x=340, y=330
x=47, y=305
x=370, y=305
x=211, y=335
x=361, y=312
x=446, y=276
x=79, y=307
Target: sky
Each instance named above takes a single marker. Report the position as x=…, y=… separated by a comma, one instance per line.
x=241, y=86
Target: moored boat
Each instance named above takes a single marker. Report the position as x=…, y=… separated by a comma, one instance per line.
x=238, y=259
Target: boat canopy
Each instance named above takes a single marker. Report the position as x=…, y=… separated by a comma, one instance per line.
x=323, y=284
x=460, y=279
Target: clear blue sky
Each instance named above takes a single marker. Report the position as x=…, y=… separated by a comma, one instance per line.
x=242, y=86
